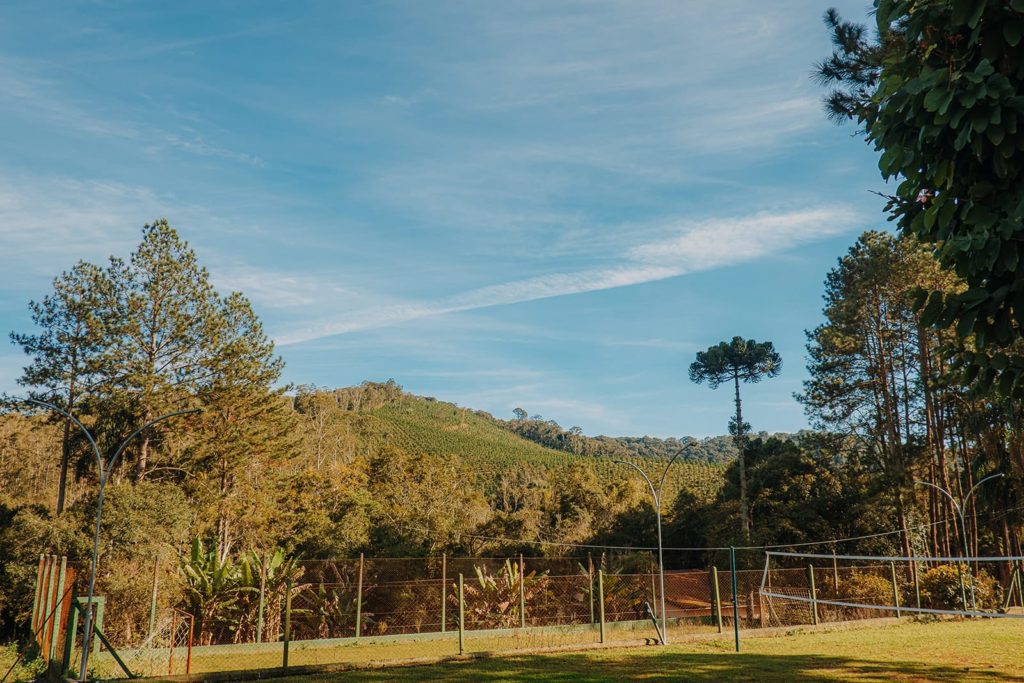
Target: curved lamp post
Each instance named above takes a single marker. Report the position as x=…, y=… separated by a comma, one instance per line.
x=960, y=507
x=656, y=494
x=104, y=469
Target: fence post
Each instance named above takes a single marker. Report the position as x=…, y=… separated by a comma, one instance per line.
x=735, y=601
x=42, y=634
x=716, y=598
x=917, y=585
x=287, y=618
x=69, y=632
x=37, y=599
x=152, y=599
x=600, y=600
x=58, y=607
x=444, y=591
x=895, y=589
x=814, y=595
x=462, y=616
x=522, y=592
x=359, y=598
x=261, y=607
x=590, y=589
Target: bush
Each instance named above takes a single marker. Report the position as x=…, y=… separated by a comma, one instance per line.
x=940, y=588
x=867, y=588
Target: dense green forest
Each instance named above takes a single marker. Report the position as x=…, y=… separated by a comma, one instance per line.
x=266, y=470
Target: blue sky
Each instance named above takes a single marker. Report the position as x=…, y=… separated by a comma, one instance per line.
x=543, y=204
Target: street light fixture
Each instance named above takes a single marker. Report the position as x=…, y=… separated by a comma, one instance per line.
x=960, y=507
x=656, y=494
x=104, y=469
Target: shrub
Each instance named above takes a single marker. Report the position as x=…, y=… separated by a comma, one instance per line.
x=940, y=588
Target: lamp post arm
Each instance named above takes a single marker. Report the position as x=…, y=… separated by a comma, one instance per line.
x=975, y=487
x=657, y=499
x=661, y=484
x=117, y=453
x=946, y=493
x=88, y=435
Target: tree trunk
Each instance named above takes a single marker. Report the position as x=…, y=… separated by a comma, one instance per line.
x=740, y=446
x=65, y=445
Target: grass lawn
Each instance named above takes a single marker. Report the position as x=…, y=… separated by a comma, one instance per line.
x=979, y=650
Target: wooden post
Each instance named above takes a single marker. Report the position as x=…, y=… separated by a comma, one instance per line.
x=600, y=600
x=444, y=590
x=287, y=619
x=716, y=597
x=51, y=605
x=69, y=632
x=37, y=599
x=359, y=598
x=58, y=607
x=522, y=592
x=462, y=617
x=895, y=589
x=152, y=599
x=814, y=595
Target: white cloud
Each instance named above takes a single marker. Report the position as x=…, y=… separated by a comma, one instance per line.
x=694, y=247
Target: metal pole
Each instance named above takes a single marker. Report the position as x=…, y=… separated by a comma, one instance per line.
x=444, y=590
x=717, y=597
x=656, y=495
x=462, y=617
x=359, y=598
x=152, y=600
x=895, y=588
x=287, y=619
x=814, y=595
x=600, y=600
x=735, y=604
x=960, y=507
x=103, y=469
x=590, y=586
x=263, y=600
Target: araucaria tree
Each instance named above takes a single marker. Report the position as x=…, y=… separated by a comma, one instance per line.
x=741, y=360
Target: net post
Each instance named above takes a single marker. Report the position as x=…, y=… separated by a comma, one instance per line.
x=716, y=598
x=895, y=588
x=835, y=571
x=814, y=595
x=735, y=601
x=444, y=591
x=600, y=600
x=462, y=616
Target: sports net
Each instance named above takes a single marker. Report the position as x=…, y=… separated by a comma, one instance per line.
x=813, y=588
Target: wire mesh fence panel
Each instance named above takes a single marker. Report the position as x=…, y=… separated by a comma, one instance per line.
x=325, y=610
x=403, y=607
x=558, y=600
x=627, y=596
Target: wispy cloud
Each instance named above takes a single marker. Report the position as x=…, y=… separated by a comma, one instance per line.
x=693, y=247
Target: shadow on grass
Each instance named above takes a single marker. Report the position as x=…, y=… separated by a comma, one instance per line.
x=578, y=668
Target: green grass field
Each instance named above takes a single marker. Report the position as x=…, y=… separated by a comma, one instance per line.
x=982, y=650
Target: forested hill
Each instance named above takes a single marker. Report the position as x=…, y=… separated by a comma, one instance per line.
x=375, y=415
x=712, y=449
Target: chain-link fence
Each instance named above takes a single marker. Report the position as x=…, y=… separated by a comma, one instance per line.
x=190, y=618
